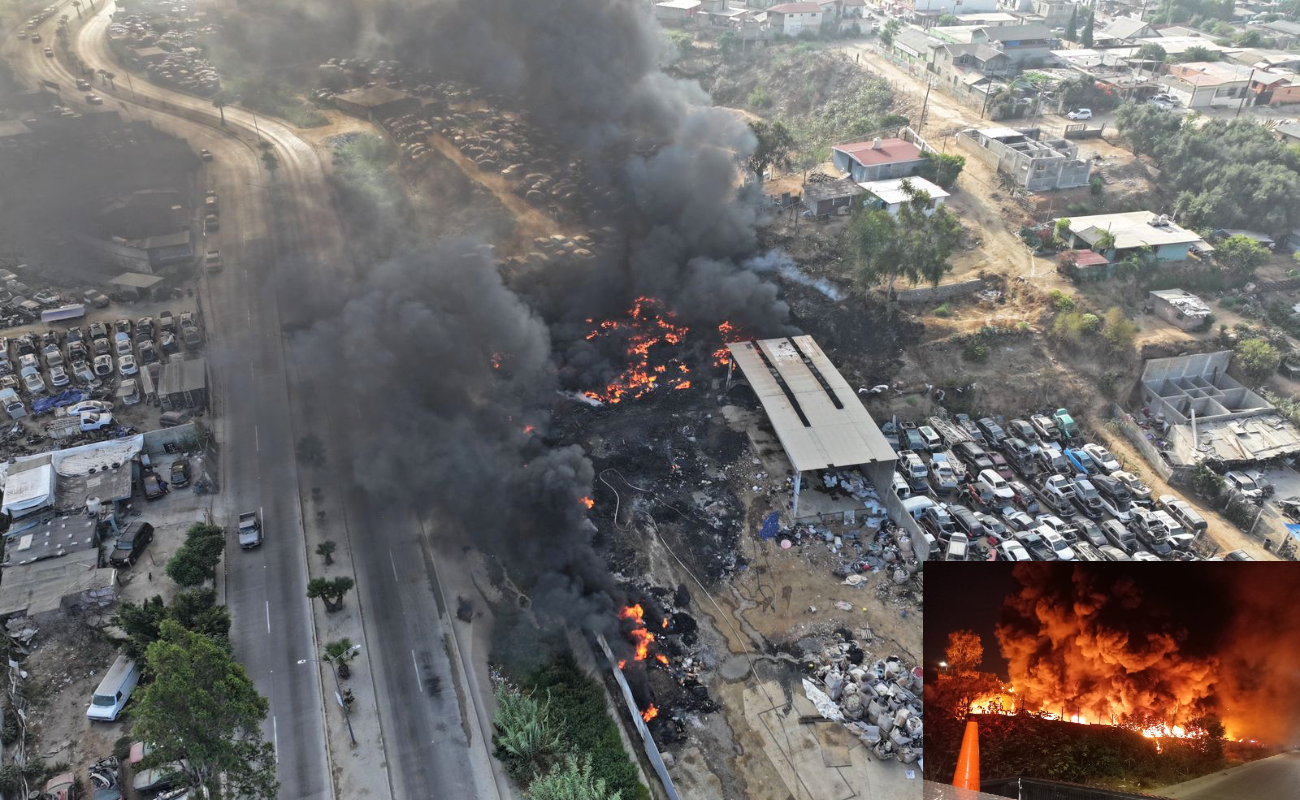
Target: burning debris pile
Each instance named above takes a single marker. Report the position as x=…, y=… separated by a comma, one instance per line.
x=663, y=668
x=650, y=365
x=880, y=702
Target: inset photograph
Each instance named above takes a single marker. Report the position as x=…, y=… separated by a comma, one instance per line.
x=1112, y=680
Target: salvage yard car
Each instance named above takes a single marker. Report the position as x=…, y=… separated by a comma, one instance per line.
x=130, y=544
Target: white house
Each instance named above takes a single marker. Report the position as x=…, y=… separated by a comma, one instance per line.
x=792, y=19
x=889, y=194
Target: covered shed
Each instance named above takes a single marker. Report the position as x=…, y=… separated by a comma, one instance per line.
x=184, y=384
x=61, y=582
x=824, y=198
x=376, y=102
x=136, y=283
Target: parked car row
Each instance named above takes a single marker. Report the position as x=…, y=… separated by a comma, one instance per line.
x=93, y=354
x=1033, y=489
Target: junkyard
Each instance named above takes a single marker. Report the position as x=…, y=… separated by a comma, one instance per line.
x=499, y=396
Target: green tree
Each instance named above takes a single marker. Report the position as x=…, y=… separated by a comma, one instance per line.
x=1206, y=482
x=1197, y=54
x=525, y=740
x=1086, y=38
x=890, y=30
x=1072, y=29
x=914, y=244
x=202, y=716
x=941, y=168
x=330, y=590
x=1249, y=39
x=1151, y=51
x=1105, y=242
x=775, y=144
x=948, y=19
x=1256, y=360
x=196, y=610
x=341, y=651
x=326, y=551
x=271, y=162
x=219, y=101
x=571, y=780
x=196, y=560
x=1147, y=129
x=1240, y=256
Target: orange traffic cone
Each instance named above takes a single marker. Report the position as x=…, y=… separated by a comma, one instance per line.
x=968, y=761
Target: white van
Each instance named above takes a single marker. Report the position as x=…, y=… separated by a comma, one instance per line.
x=114, y=690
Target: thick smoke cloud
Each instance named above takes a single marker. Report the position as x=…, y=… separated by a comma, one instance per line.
x=1097, y=647
x=1261, y=651
x=461, y=367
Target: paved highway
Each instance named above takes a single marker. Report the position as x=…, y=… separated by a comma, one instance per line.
x=266, y=588
x=279, y=239
x=1276, y=778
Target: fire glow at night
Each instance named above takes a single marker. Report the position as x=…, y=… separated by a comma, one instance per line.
x=1198, y=660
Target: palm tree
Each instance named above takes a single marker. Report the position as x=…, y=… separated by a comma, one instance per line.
x=219, y=103
x=109, y=76
x=77, y=5
x=1105, y=242
x=272, y=163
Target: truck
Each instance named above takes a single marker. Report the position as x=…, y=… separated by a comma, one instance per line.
x=250, y=529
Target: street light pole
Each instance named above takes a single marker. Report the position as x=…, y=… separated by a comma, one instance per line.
x=338, y=688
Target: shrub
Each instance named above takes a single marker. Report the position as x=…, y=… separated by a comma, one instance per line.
x=525, y=739
x=1096, y=185
x=1119, y=331
x=759, y=98
x=1206, y=482
x=1257, y=359
x=944, y=310
x=1078, y=209
x=975, y=350
x=1061, y=301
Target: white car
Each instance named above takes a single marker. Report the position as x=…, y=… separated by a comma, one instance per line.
x=1080, y=114
x=1102, y=458
x=126, y=365
x=33, y=381
x=82, y=371
x=89, y=406
x=944, y=479
x=1019, y=521
x=1059, y=546
x=1057, y=526
x=1112, y=553
x=994, y=484
x=1143, y=555
x=103, y=366
x=58, y=376
x=1244, y=485
x=122, y=344
x=1014, y=551
x=93, y=421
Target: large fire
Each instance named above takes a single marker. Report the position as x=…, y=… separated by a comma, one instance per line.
x=650, y=713
x=640, y=635
x=650, y=325
x=729, y=334
x=1008, y=702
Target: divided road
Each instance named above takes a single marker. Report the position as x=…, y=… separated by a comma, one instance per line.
x=1276, y=778
x=280, y=239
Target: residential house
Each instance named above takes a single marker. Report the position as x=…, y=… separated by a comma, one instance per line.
x=956, y=62
x=915, y=46
x=792, y=19
x=890, y=194
x=824, y=198
x=1266, y=59
x=1133, y=231
x=1284, y=32
x=1025, y=45
x=677, y=12
x=1053, y=13
x=1204, y=84
x=936, y=8
x=877, y=159
x=853, y=9
x=1288, y=132
x=1275, y=88
x=1124, y=32
x=1179, y=308
x=1037, y=165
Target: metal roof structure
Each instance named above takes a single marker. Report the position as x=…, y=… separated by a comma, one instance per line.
x=183, y=376
x=136, y=280
x=818, y=417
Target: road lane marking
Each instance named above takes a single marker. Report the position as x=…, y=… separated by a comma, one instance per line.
x=275, y=739
x=257, y=440
x=393, y=561
x=417, y=672
x=268, y=616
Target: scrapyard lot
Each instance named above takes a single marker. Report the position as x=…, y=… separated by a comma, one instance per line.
x=1021, y=489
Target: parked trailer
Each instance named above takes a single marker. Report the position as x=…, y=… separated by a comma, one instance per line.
x=71, y=311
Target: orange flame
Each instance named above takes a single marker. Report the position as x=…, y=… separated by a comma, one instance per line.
x=640, y=635
x=650, y=713
x=587, y=501
x=661, y=658
x=665, y=625
x=649, y=326
x=722, y=356
x=528, y=429
x=497, y=358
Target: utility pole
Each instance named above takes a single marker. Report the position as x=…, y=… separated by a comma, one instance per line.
x=1245, y=93
x=925, y=105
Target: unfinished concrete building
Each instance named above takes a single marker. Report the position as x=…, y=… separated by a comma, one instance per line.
x=1207, y=416
x=1035, y=164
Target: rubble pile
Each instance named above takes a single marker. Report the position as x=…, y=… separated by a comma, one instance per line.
x=879, y=702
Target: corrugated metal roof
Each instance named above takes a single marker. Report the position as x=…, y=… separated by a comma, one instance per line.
x=815, y=432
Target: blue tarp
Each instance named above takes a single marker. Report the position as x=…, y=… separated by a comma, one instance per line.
x=1294, y=530
x=770, y=526
x=65, y=398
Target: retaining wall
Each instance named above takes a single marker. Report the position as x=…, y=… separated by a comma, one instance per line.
x=943, y=291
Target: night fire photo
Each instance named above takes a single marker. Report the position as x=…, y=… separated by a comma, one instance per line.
x=1177, y=681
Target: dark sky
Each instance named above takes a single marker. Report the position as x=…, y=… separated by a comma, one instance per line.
x=1196, y=595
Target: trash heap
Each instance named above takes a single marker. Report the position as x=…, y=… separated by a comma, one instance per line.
x=880, y=702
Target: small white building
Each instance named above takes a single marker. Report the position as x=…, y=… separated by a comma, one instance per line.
x=791, y=19
x=890, y=195
x=677, y=12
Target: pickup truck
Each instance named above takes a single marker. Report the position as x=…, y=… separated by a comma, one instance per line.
x=250, y=530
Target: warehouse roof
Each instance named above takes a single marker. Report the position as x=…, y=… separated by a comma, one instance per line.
x=817, y=416
x=136, y=280
x=183, y=376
